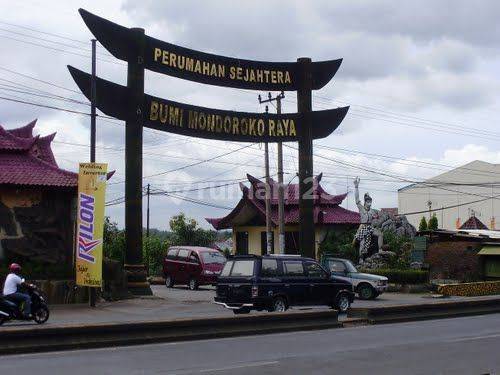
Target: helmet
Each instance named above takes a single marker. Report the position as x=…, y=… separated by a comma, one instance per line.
x=14, y=267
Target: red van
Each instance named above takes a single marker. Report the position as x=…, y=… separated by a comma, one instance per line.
x=192, y=266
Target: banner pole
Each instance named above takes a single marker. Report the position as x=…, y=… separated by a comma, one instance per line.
x=92, y=291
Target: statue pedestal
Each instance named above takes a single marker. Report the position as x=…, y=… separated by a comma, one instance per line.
x=137, y=282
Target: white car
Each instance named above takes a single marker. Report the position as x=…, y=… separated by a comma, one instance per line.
x=366, y=285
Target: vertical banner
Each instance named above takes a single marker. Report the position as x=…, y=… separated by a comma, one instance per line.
x=90, y=223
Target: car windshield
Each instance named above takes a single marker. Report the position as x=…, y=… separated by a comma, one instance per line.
x=213, y=257
x=350, y=266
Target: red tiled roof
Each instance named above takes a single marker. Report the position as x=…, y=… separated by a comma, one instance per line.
x=23, y=169
x=10, y=142
x=42, y=150
x=473, y=223
x=28, y=160
x=391, y=211
x=291, y=192
x=25, y=131
x=326, y=206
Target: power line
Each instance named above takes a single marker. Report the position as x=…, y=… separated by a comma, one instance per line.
x=40, y=80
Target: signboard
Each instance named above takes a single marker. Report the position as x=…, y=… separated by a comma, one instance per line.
x=90, y=224
x=185, y=63
x=201, y=122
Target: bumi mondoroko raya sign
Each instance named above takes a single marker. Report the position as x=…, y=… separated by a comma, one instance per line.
x=174, y=117
x=185, y=63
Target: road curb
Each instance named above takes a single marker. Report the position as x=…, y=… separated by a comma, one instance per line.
x=441, y=310
x=45, y=339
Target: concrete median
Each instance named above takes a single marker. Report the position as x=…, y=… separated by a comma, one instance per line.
x=51, y=338
x=435, y=310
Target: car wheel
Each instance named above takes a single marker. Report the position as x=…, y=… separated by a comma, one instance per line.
x=193, y=284
x=41, y=315
x=366, y=291
x=279, y=305
x=342, y=304
x=2, y=320
x=243, y=310
x=169, y=281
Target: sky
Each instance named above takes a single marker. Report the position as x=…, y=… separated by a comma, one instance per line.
x=421, y=79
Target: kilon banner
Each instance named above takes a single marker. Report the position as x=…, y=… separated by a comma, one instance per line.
x=90, y=223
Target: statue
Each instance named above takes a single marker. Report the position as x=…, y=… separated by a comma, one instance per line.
x=369, y=225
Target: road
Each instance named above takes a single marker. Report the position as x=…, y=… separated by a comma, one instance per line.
x=451, y=346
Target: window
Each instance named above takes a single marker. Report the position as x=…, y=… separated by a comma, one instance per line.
x=193, y=258
x=183, y=254
x=315, y=270
x=269, y=268
x=227, y=268
x=293, y=268
x=213, y=257
x=172, y=253
x=243, y=268
x=336, y=266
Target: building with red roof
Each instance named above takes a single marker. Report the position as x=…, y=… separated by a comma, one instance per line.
x=473, y=223
x=248, y=219
x=37, y=199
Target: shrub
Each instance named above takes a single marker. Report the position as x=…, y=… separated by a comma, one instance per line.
x=433, y=223
x=423, y=224
x=339, y=244
x=114, y=241
x=397, y=276
x=153, y=252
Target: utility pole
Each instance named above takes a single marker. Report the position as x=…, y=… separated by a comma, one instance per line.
x=147, y=213
x=92, y=291
x=281, y=187
x=269, y=233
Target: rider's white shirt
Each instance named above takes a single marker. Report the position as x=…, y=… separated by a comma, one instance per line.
x=11, y=283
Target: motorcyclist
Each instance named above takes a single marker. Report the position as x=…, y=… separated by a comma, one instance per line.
x=10, y=289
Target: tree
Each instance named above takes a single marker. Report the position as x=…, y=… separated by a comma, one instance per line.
x=113, y=241
x=433, y=223
x=423, y=224
x=185, y=231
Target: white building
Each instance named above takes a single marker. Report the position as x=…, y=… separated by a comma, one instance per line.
x=454, y=196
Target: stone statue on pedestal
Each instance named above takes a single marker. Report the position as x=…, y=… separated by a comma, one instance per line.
x=369, y=225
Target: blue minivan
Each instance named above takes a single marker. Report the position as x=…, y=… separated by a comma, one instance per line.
x=277, y=282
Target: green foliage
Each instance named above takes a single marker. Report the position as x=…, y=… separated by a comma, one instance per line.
x=185, y=231
x=423, y=224
x=433, y=223
x=153, y=253
x=401, y=246
x=113, y=241
x=402, y=276
x=339, y=244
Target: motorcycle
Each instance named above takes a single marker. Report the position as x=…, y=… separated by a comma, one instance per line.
x=12, y=311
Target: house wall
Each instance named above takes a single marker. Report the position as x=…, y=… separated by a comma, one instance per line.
x=36, y=225
x=254, y=233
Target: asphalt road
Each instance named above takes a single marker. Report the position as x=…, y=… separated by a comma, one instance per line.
x=452, y=346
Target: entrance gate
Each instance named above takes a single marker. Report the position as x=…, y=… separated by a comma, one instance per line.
x=139, y=110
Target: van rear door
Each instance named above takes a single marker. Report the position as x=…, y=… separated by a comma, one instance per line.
x=236, y=280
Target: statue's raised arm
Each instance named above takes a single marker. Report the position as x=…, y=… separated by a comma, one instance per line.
x=356, y=194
